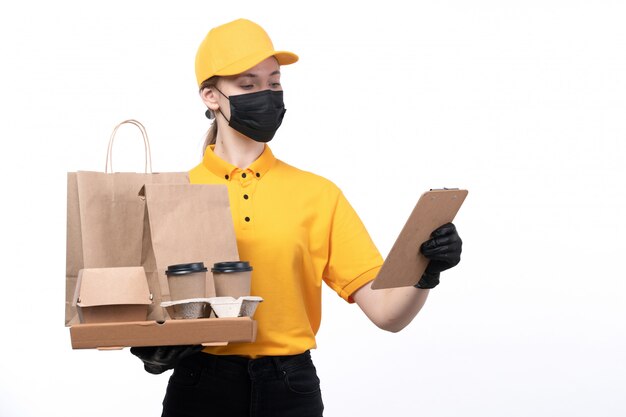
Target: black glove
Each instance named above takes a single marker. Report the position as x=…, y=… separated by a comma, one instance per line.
x=443, y=250
x=158, y=359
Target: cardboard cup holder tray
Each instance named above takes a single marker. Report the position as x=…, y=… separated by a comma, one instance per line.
x=207, y=332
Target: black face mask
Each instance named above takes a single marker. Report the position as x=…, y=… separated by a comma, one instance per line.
x=256, y=115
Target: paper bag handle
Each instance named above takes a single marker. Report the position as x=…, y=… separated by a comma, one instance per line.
x=146, y=143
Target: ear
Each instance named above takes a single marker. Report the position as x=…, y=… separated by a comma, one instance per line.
x=209, y=97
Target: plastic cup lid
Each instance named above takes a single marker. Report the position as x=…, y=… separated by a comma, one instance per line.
x=226, y=267
x=184, y=269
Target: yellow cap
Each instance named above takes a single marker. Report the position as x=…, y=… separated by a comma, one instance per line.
x=234, y=47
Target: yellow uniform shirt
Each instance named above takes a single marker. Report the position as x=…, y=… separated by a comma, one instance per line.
x=296, y=229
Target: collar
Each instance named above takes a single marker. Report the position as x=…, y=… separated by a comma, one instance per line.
x=223, y=169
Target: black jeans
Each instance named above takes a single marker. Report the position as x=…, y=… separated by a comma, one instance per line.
x=212, y=385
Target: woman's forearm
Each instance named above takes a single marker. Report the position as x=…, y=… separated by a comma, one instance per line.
x=390, y=309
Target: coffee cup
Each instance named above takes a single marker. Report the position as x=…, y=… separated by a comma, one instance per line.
x=232, y=279
x=187, y=280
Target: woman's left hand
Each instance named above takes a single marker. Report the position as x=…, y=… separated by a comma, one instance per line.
x=443, y=250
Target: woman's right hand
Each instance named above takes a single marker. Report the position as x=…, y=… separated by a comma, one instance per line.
x=158, y=359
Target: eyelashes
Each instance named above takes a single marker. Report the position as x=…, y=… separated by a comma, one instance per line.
x=251, y=86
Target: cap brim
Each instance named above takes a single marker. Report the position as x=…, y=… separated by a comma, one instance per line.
x=283, y=57
x=286, y=58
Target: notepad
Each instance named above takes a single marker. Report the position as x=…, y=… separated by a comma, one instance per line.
x=405, y=264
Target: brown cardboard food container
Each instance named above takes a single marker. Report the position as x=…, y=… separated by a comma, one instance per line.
x=207, y=332
x=109, y=295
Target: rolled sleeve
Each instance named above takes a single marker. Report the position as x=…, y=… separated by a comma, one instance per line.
x=353, y=258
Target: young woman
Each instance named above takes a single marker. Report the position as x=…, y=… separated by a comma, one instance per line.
x=295, y=228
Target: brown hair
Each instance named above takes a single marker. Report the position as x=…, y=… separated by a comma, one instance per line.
x=211, y=134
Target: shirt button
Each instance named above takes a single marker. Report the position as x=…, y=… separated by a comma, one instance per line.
x=243, y=175
x=247, y=219
x=245, y=196
x=226, y=176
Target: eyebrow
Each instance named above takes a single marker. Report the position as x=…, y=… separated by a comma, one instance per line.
x=253, y=75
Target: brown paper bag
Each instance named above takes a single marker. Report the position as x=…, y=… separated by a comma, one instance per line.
x=186, y=223
x=105, y=218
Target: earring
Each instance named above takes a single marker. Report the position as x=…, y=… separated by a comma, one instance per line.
x=209, y=114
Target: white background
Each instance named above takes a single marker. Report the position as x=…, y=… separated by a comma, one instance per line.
x=521, y=102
